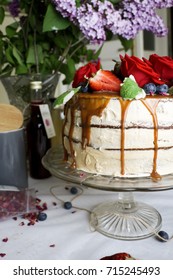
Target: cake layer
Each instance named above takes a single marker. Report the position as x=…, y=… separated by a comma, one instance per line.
x=105, y=162
x=107, y=135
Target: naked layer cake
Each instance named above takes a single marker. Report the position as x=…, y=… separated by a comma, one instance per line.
x=122, y=128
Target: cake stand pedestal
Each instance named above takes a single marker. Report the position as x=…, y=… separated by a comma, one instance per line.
x=123, y=218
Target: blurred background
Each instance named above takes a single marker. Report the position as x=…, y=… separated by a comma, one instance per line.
x=144, y=44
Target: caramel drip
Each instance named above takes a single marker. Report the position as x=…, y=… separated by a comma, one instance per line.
x=71, y=136
x=151, y=105
x=70, y=105
x=63, y=128
x=88, y=106
x=124, y=108
x=92, y=105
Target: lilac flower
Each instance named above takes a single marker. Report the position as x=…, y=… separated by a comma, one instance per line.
x=14, y=8
x=91, y=23
x=126, y=18
x=67, y=8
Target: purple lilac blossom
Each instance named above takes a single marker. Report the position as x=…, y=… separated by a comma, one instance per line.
x=91, y=23
x=67, y=8
x=127, y=18
x=142, y=15
x=14, y=8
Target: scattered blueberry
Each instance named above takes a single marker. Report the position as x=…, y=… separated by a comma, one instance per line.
x=163, y=234
x=74, y=190
x=67, y=205
x=42, y=216
x=162, y=89
x=150, y=88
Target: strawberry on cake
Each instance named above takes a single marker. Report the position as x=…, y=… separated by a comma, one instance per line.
x=120, y=123
x=104, y=80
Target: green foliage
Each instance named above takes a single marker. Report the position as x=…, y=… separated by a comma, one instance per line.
x=41, y=41
x=54, y=21
x=127, y=44
x=2, y=15
x=65, y=97
x=115, y=1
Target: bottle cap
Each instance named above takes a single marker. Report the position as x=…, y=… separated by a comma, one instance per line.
x=36, y=84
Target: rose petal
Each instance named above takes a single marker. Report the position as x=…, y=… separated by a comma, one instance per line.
x=141, y=70
x=85, y=72
x=5, y=239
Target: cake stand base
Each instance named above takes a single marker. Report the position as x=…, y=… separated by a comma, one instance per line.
x=125, y=219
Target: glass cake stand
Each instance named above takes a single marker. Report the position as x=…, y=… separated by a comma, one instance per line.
x=123, y=218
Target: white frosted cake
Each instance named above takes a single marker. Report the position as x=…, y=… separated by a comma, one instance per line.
x=105, y=134
x=120, y=123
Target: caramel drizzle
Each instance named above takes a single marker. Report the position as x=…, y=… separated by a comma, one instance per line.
x=88, y=107
x=124, y=108
x=151, y=105
x=93, y=105
x=72, y=105
x=63, y=134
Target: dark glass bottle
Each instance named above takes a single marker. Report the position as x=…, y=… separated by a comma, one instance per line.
x=37, y=140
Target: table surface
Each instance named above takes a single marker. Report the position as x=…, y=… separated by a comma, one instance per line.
x=67, y=235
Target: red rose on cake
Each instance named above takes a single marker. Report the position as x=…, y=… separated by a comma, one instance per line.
x=141, y=70
x=85, y=72
x=163, y=65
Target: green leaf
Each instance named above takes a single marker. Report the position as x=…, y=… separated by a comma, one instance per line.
x=78, y=3
x=17, y=55
x=71, y=65
x=65, y=97
x=89, y=55
x=115, y=1
x=9, y=55
x=6, y=71
x=60, y=42
x=21, y=69
x=11, y=29
x=96, y=55
x=1, y=50
x=54, y=21
x=127, y=44
x=31, y=57
x=68, y=74
x=2, y=15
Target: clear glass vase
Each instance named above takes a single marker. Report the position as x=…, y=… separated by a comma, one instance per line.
x=18, y=88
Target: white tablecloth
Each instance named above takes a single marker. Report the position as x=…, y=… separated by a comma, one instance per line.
x=66, y=234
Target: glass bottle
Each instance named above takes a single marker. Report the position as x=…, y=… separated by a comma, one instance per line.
x=38, y=142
